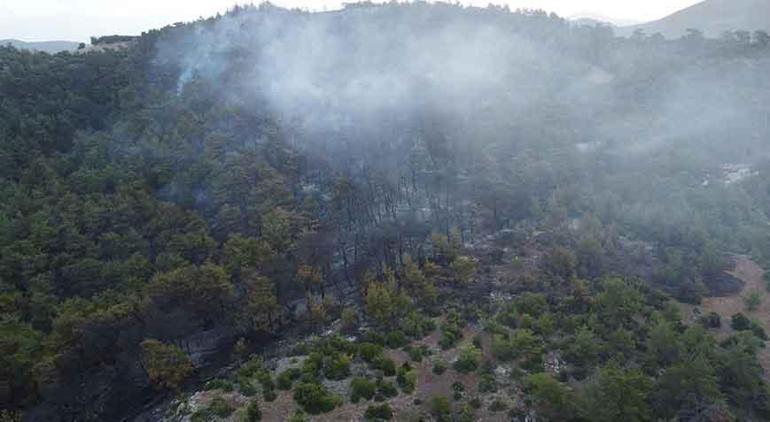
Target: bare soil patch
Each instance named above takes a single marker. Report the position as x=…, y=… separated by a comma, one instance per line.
x=750, y=273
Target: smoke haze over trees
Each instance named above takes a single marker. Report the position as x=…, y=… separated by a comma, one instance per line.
x=162, y=201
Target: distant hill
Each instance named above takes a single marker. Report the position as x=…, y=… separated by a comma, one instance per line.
x=712, y=17
x=592, y=19
x=47, y=46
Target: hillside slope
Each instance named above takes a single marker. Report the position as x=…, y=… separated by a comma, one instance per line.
x=713, y=17
x=46, y=46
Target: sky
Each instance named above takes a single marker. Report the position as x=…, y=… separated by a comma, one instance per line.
x=77, y=20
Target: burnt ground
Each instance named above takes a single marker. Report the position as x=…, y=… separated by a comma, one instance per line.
x=749, y=273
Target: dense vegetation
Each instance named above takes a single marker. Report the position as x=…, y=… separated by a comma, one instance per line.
x=167, y=204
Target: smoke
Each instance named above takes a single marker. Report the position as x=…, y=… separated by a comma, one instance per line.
x=484, y=76
x=329, y=69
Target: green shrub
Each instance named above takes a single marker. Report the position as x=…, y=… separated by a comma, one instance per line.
x=467, y=359
x=740, y=322
x=361, y=388
x=314, y=398
x=268, y=395
x=338, y=367
x=253, y=414
x=753, y=299
x=382, y=412
x=477, y=342
x=265, y=380
x=466, y=414
x=247, y=389
x=711, y=320
x=439, y=367
x=220, y=407
x=415, y=354
x=250, y=368
x=758, y=331
x=387, y=389
x=458, y=386
x=498, y=406
x=299, y=416
x=220, y=384
x=300, y=349
x=374, y=337
x=386, y=365
x=395, y=339
x=406, y=379
x=370, y=351
x=450, y=335
x=487, y=384
x=311, y=368
x=441, y=408
x=285, y=379
x=416, y=325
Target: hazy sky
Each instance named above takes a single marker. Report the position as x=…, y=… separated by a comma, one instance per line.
x=79, y=19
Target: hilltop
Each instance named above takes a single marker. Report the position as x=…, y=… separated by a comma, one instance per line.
x=712, y=17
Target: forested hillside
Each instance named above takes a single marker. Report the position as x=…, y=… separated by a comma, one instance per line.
x=173, y=207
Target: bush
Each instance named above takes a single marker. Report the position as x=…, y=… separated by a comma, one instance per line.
x=386, y=365
x=253, y=414
x=373, y=337
x=739, y=322
x=220, y=407
x=265, y=380
x=439, y=367
x=269, y=395
x=498, y=406
x=300, y=349
x=416, y=326
x=220, y=384
x=252, y=367
x=711, y=320
x=487, y=384
x=466, y=414
x=166, y=364
x=386, y=389
x=349, y=319
x=450, y=335
x=467, y=359
x=298, y=416
x=370, y=351
x=247, y=389
x=382, y=412
x=458, y=388
x=758, y=331
x=338, y=367
x=406, y=379
x=286, y=378
x=315, y=399
x=415, y=354
x=477, y=342
x=502, y=348
x=395, y=339
x=441, y=407
x=752, y=300
x=361, y=388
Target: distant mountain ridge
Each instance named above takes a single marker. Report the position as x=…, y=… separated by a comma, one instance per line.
x=592, y=19
x=47, y=46
x=712, y=17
